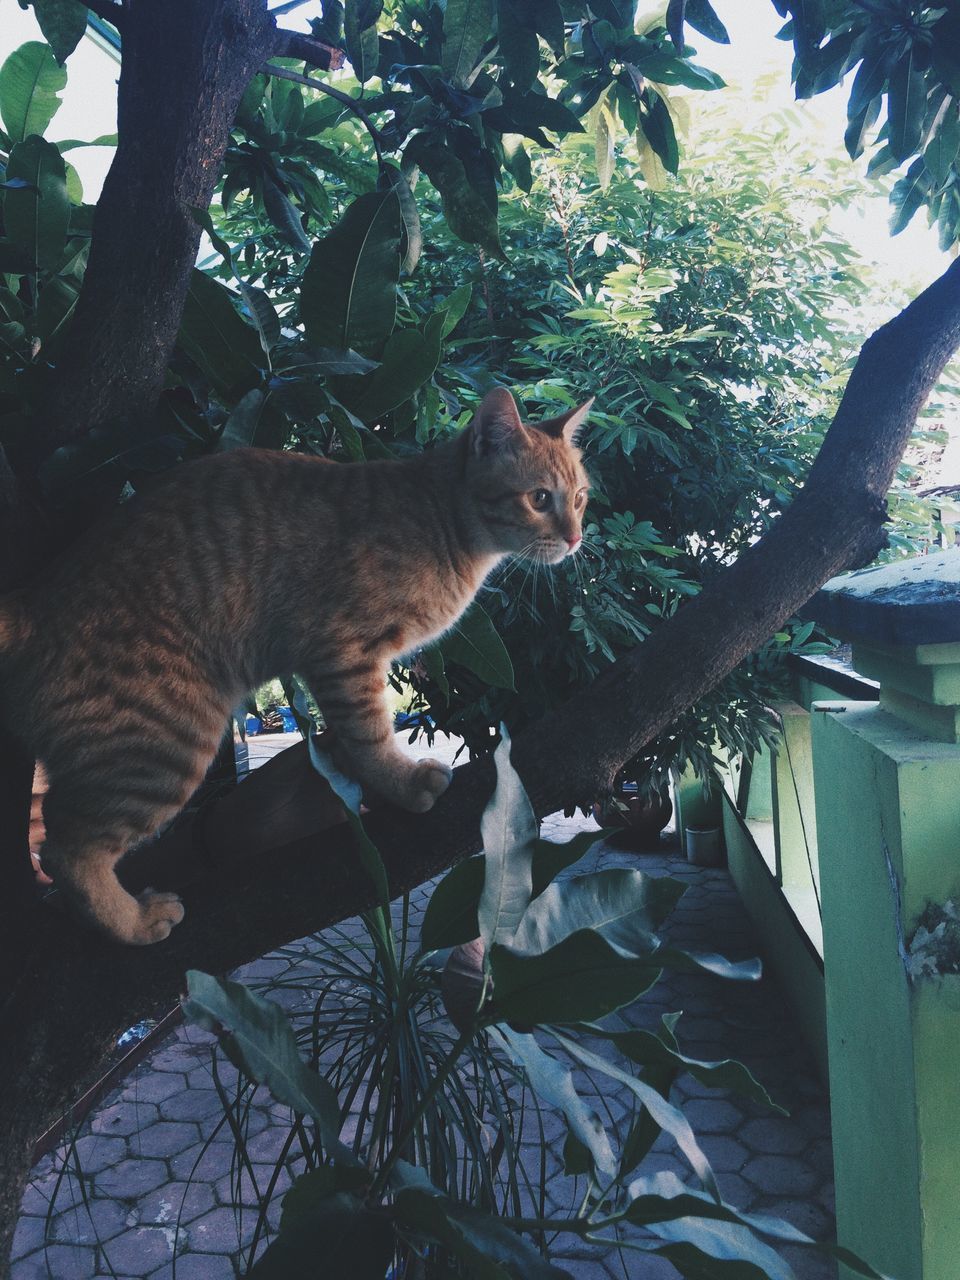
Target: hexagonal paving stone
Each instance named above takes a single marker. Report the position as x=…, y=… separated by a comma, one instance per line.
x=725, y=1153
x=131, y=1178
x=93, y=1223
x=228, y=1193
x=121, y=1119
x=94, y=1153
x=780, y=1175
x=713, y=1115
x=174, y=1202
x=192, y=1104
x=206, y=1162
x=773, y=1136
x=222, y=1231
x=138, y=1252
x=153, y=1088
x=197, y=1266
x=62, y=1261
x=165, y=1138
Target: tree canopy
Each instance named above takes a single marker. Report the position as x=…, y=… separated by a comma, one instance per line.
x=370, y=193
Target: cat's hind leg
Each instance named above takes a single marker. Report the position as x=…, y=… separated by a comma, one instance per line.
x=88, y=879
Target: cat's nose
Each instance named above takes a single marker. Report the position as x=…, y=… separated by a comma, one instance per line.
x=573, y=543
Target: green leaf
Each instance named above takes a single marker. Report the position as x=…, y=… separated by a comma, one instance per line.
x=517, y=161
x=258, y=1039
x=63, y=23
x=348, y=297
x=908, y=195
x=467, y=214
x=701, y=16
x=412, y=235
x=552, y=1081
x=676, y=13
x=348, y=791
x=508, y=829
x=409, y=360
x=475, y=643
x=30, y=81
x=657, y=125
x=360, y=32
x=942, y=149
x=262, y=313
x=667, y=1116
x=906, y=103
x=603, y=140
x=454, y=307
x=621, y=905
x=225, y=348
x=451, y=915
x=467, y=26
x=318, y=1222
x=240, y=429
x=579, y=980
x=652, y=1050
x=284, y=215
x=37, y=215
x=480, y=1241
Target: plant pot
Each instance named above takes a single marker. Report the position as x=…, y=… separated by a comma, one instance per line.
x=703, y=846
x=644, y=817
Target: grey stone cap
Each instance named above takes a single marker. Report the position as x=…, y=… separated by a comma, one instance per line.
x=906, y=602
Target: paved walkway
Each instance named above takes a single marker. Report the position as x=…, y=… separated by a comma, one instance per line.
x=152, y=1175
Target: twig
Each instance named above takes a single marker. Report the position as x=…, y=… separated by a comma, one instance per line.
x=108, y=11
x=350, y=103
x=296, y=44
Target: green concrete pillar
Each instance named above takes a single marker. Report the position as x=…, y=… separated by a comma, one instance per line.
x=887, y=785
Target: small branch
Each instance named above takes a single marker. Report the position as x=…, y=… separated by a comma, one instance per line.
x=350, y=103
x=296, y=44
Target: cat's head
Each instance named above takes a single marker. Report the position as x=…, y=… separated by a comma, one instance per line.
x=527, y=480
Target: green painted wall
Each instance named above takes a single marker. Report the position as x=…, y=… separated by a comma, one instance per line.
x=783, y=943
x=888, y=826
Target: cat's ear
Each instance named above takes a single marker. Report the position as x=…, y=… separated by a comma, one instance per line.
x=496, y=425
x=567, y=425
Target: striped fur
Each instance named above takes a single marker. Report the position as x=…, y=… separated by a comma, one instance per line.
x=122, y=667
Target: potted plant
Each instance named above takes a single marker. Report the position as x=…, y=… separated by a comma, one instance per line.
x=639, y=803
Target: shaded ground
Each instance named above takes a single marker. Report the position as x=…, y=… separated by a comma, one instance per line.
x=152, y=1174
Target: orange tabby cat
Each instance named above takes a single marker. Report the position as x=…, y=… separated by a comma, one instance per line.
x=122, y=666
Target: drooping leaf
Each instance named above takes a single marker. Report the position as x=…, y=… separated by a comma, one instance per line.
x=621, y=905
x=701, y=16
x=941, y=151
x=468, y=216
x=552, y=1080
x=508, y=830
x=360, y=32
x=412, y=243
x=63, y=23
x=603, y=142
x=349, y=293
x=451, y=915
x=480, y=1241
x=581, y=979
x=676, y=12
x=409, y=360
x=262, y=313
x=30, y=83
x=454, y=306
x=37, y=214
x=667, y=1116
x=475, y=643
x=657, y=125
x=467, y=26
x=258, y=1039
x=240, y=429
x=334, y=1225
x=284, y=215
x=216, y=337
x=906, y=103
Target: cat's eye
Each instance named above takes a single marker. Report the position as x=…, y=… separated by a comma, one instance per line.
x=580, y=498
x=540, y=499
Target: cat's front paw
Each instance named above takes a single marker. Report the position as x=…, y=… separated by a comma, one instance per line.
x=426, y=782
x=159, y=913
